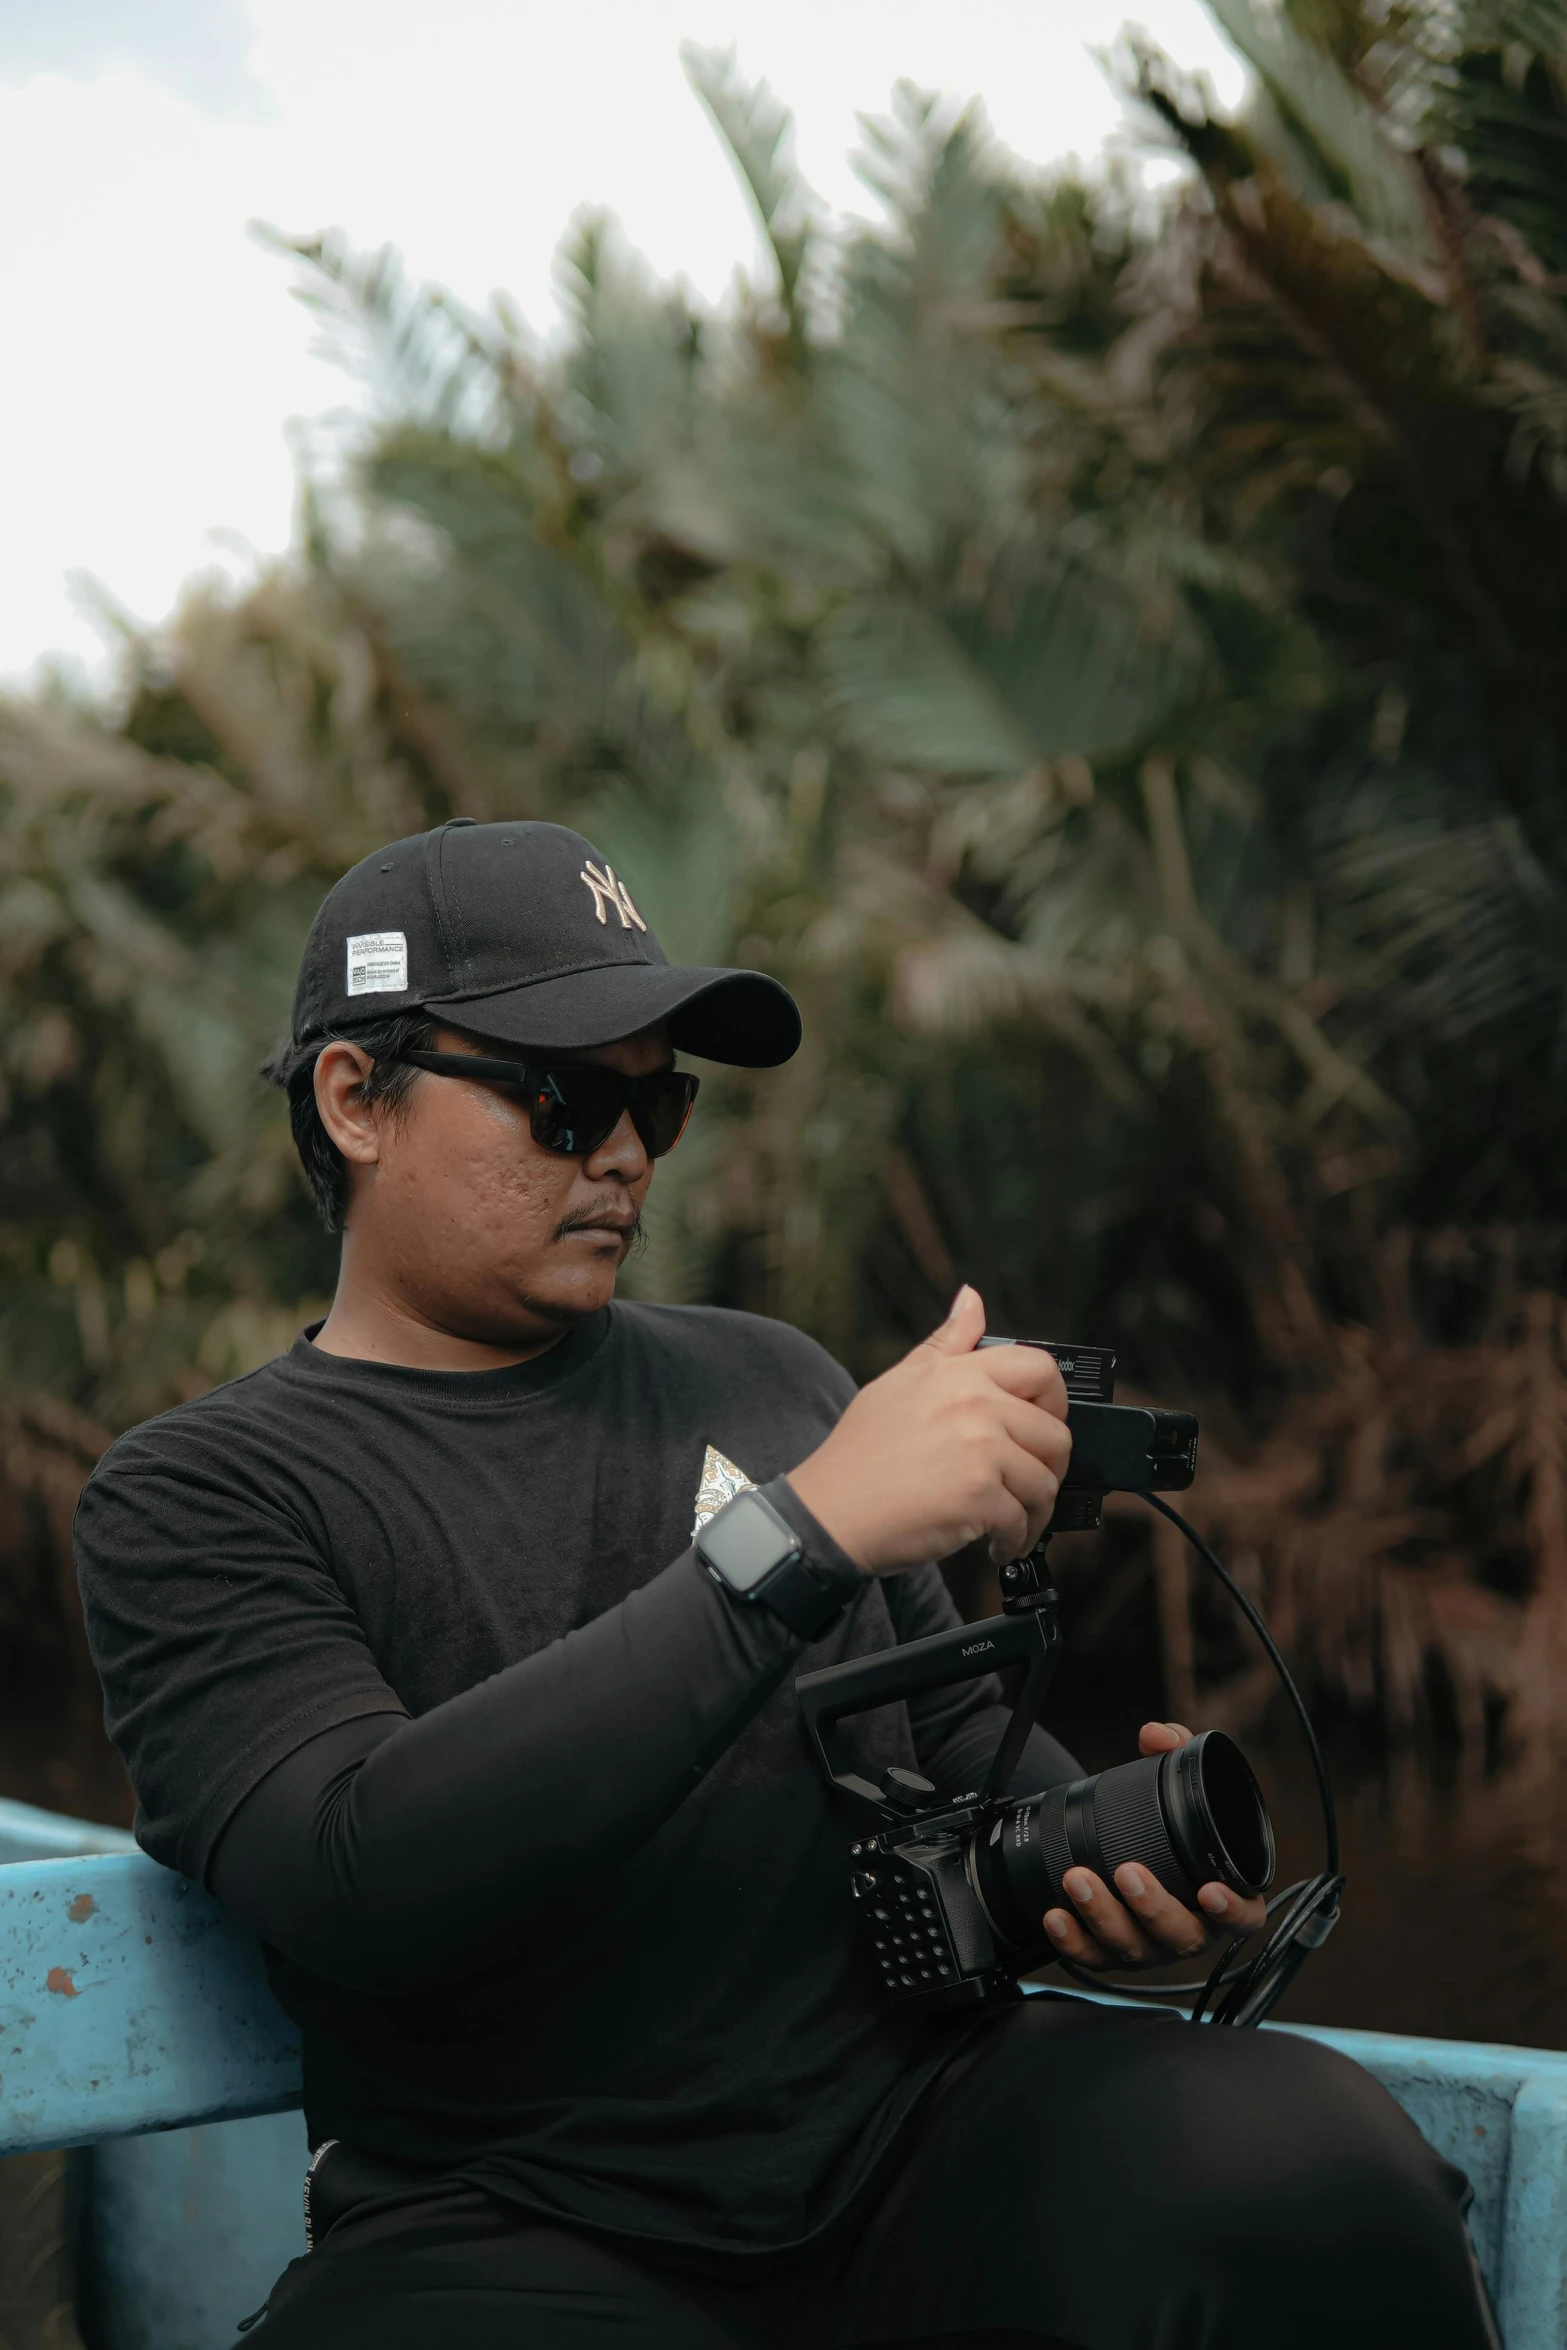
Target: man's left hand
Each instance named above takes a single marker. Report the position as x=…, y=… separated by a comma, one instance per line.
x=1146, y=1926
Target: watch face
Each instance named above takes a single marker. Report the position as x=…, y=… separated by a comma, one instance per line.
x=746, y=1541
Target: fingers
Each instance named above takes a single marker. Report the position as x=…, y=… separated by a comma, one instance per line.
x=1031, y=1490
x=1038, y=1432
x=1070, y=1940
x=1233, y=1913
x=1097, y=1931
x=1162, y=1737
x=1021, y=1453
x=1021, y=1369
x=1029, y=1371
x=1008, y=1534
x=1164, y=1920
x=1006, y=1409
x=1028, y=1464
x=963, y=1328
x=1024, y=1499
x=1031, y=1482
x=1146, y=1925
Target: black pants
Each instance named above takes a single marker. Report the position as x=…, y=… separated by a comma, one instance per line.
x=1095, y=2180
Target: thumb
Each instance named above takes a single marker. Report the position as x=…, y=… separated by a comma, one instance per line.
x=964, y=1326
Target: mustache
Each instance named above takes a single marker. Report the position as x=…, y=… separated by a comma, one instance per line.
x=606, y=1211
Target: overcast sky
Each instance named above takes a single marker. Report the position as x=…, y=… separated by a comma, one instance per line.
x=153, y=356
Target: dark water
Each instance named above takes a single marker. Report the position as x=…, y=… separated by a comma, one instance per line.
x=1455, y=1913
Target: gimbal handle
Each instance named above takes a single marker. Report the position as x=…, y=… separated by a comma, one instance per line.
x=1030, y=1637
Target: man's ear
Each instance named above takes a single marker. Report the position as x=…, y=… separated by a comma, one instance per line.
x=350, y=1121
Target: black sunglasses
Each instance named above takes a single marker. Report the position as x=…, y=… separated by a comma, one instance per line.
x=573, y=1106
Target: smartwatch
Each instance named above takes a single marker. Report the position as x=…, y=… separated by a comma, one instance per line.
x=756, y=1556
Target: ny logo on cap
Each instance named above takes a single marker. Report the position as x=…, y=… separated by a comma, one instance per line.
x=608, y=891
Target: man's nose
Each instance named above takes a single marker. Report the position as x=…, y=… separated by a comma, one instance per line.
x=621, y=1153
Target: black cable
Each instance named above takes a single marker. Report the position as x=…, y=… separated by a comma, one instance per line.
x=1329, y=1815
x=1258, y=1983
x=1220, y=1974
x=1264, y=1982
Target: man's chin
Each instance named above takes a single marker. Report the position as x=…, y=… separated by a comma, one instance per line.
x=578, y=1292
x=535, y=1308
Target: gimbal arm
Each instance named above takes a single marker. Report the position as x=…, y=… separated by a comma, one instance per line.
x=1028, y=1634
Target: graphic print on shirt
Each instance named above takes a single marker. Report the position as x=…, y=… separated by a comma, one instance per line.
x=721, y=1481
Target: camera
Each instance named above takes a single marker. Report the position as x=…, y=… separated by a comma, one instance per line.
x=951, y=1892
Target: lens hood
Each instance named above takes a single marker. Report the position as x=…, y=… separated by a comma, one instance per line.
x=1218, y=1822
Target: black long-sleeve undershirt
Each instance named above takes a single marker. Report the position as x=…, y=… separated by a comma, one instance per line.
x=550, y=1879
x=390, y=1854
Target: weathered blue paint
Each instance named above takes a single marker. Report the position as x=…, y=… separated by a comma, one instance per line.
x=183, y=2231
x=188, y=2230
x=129, y=2001
x=26, y=1833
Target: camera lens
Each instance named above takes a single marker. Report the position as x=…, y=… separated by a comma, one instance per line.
x=1190, y=1818
x=1218, y=1819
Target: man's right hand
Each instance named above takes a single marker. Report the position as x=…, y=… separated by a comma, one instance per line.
x=948, y=1447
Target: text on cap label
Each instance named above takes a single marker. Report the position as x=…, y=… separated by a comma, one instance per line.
x=378, y=963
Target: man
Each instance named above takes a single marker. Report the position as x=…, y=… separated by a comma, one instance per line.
x=412, y=1660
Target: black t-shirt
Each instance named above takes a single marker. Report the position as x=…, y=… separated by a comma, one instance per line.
x=621, y=1984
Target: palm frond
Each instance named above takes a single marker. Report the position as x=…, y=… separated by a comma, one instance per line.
x=419, y=353
x=1350, y=150
x=759, y=135
x=631, y=368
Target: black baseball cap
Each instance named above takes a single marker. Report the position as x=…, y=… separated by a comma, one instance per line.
x=523, y=932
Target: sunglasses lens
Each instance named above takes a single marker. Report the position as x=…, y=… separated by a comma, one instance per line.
x=577, y=1107
x=662, y=1107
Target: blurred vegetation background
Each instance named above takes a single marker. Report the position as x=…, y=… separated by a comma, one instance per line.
x=1105, y=652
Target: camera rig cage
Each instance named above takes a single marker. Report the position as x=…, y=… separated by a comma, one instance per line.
x=910, y=1874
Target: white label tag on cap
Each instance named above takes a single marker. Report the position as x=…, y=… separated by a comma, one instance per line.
x=378, y=963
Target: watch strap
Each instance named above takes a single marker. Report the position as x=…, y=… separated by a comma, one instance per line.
x=831, y=1579
x=800, y=1598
